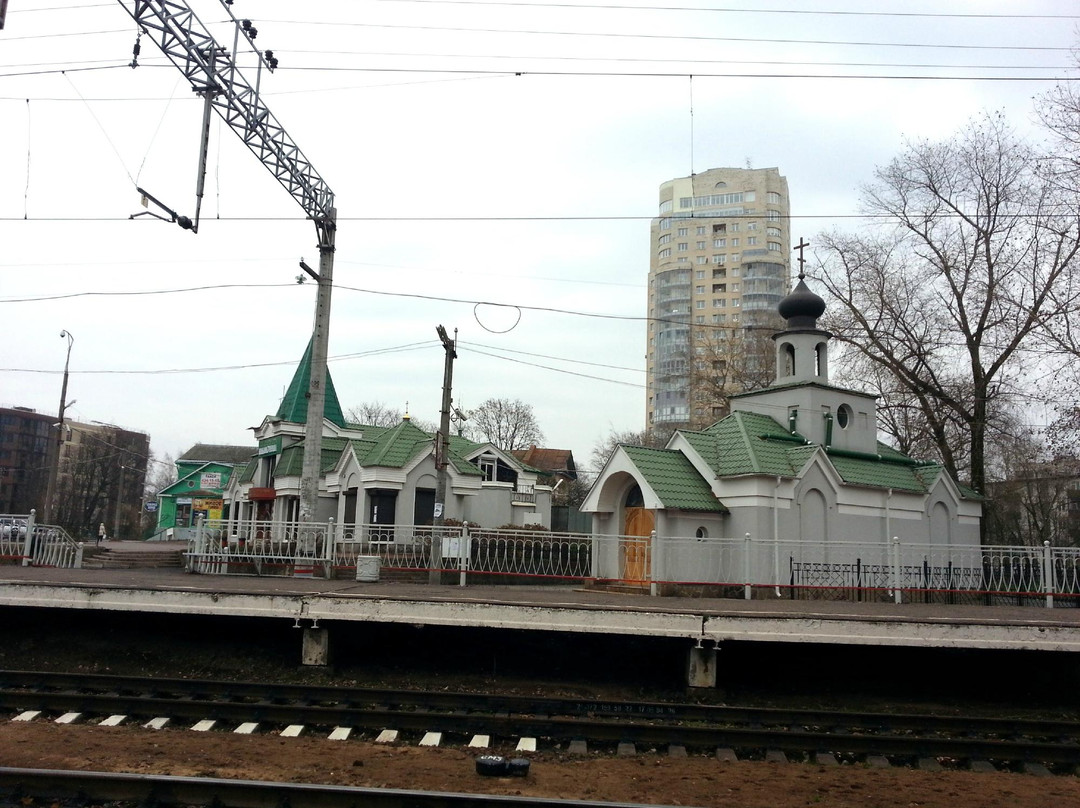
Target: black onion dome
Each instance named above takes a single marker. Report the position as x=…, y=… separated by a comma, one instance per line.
x=802, y=307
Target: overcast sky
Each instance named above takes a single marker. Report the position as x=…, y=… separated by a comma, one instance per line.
x=495, y=168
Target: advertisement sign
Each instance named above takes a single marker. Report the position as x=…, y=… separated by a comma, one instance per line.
x=210, y=479
x=209, y=507
x=269, y=446
x=151, y=507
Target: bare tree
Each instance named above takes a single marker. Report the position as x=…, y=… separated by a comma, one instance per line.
x=1059, y=111
x=973, y=269
x=654, y=439
x=376, y=413
x=508, y=424
x=727, y=361
x=160, y=475
x=1031, y=502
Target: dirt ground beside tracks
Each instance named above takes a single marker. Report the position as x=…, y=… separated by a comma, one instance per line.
x=648, y=778
x=129, y=648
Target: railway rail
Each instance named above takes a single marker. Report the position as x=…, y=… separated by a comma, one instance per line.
x=21, y=787
x=745, y=732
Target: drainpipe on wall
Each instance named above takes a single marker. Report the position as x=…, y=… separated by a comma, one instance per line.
x=888, y=514
x=792, y=417
x=828, y=429
x=776, y=533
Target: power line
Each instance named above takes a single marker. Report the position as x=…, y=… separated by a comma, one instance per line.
x=611, y=35
x=484, y=219
x=546, y=356
x=695, y=62
x=738, y=10
x=677, y=37
x=172, y=371
x=559, y=370
x=654, y=74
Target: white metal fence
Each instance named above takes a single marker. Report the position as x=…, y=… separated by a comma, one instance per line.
x=23, y=541
x=727, y=567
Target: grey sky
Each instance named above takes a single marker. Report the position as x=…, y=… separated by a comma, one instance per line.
x=531, y=190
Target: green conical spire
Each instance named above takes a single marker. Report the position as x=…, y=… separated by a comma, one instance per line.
x=294, y=404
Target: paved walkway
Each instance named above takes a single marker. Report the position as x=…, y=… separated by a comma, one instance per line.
x=527, y=596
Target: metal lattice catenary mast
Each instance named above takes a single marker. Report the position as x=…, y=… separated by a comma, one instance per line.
x=212, y=71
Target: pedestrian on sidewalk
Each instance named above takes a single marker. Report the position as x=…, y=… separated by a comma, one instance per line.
x=101, y=533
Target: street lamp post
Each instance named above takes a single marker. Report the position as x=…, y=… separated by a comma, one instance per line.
x=54, y=468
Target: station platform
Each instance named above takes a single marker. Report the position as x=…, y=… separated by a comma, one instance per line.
x=703, y=622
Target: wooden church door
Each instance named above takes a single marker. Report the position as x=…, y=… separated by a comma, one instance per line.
x=638, y=525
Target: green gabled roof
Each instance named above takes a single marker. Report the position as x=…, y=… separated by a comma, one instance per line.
x=459, y=447
x=293, y=407
x=928, y=474
x=395, y=447
x=291, y=463
x=878, y=473
x=248, y=473
x=674, y=479
x=749, y=443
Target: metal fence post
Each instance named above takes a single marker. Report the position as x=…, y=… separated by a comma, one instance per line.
x=28, y=538
x=200, y=543
x=898, y=595
x=651, y=559
x=1048, y=575
x=330, y=547
x=464, y=553
x=747, y=591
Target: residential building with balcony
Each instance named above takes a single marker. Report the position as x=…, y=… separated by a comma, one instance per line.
x=719, y=265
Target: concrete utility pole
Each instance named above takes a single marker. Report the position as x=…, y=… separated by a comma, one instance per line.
x=213, y=73
x=119, y=491
x=49, y=511
x=442, y=451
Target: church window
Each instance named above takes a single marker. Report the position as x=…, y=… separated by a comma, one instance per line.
x=843, y=416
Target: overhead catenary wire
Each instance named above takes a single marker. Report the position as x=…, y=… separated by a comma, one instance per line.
x=746, y=10
x=218, y=368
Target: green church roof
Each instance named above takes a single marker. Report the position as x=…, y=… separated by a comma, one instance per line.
x=395, y=447
x=294, y=404
x=750, y=443
x=674, y=479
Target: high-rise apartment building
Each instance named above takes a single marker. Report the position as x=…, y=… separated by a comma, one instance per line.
x=719, y=265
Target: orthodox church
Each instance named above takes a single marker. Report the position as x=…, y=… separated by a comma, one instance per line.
x=798, y=461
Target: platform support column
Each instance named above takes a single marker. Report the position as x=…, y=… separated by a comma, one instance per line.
x=701, y=667
x=316, y=649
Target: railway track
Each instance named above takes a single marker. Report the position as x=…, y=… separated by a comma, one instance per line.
x=22, y=787
x=580, y=725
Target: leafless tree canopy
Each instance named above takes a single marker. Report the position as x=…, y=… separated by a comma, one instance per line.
x=376, y=413
x=727, y=361
x=655, y=439
x=507, y=423
x=960, y=290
